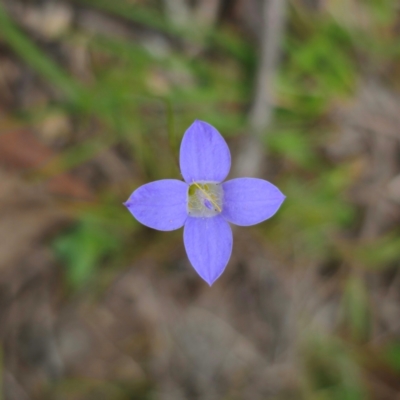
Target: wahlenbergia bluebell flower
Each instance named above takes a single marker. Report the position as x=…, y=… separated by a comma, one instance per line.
x=204, y=204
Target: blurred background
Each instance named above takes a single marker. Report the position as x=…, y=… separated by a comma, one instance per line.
x=95, y=96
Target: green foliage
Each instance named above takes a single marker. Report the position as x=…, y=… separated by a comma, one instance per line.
x=391, y=355
x=92, y=389
x=25, y=48
x=355, y=308
x=318, y=70
x=83, y=249
x=143, y=99
x=382, y=11
x=2, y=391
x=127, y=10
x=374, y=255
x=319, y=67
x=314, y=211
x=294, y=146
x=331, y=372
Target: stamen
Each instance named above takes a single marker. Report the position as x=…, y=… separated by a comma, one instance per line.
x=208, y=197
x=205, y=199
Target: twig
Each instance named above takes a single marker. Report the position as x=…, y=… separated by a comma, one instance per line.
x=178, y=12
x=273, y=17
x=206, y=12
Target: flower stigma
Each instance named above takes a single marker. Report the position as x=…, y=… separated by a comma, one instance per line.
x=204, y=199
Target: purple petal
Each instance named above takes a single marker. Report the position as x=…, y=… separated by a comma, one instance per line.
x=208, y=243
x=204, y=154
x=160, y=205
x=249, y=201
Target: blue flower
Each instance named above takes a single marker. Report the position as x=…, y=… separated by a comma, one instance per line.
x=203, y=204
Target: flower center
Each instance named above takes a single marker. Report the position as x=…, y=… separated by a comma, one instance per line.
x=204, y=199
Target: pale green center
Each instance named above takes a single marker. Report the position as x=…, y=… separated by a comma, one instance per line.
x=204, y=199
